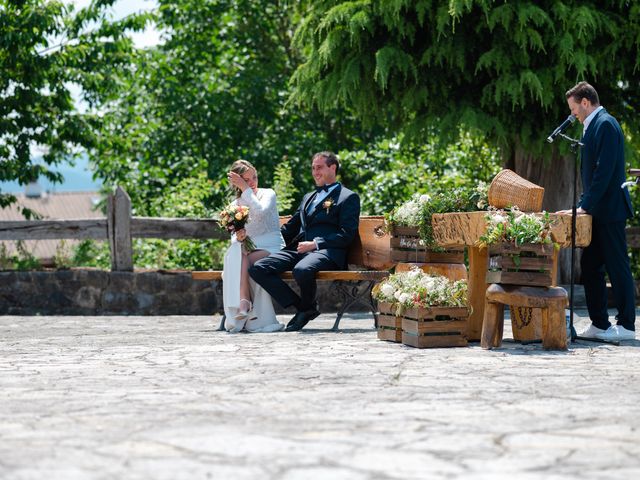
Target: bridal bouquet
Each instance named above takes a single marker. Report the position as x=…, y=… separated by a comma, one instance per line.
x=233, y=217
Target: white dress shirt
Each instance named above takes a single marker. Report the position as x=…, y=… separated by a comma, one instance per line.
x=587, y=120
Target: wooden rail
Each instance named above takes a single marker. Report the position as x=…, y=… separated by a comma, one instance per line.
x=119, y=228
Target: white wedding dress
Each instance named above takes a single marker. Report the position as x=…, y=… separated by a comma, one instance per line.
x=263, y=227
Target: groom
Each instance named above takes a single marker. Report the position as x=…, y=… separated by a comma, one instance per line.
x=317, y=238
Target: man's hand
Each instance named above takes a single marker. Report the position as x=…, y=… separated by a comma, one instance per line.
x=579, y=211
x=304, y=247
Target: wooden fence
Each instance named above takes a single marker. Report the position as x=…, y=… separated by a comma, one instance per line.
x=119, y=228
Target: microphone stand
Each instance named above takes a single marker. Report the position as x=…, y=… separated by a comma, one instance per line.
x=575, y=149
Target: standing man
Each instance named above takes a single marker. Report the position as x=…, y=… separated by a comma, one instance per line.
x=603, y=172
x=317, y=238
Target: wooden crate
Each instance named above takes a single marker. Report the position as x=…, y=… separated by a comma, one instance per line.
x=527, y=265
x=435, y=327
x=406, y=247
x=389, y=325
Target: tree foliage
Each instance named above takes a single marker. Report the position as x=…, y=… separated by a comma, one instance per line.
x=499, y=67
x=212, y=92
x=44, y=48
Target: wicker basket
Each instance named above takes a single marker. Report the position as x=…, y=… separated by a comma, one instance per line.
x=508, y=189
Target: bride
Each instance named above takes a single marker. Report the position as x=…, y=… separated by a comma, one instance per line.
x=247, y=306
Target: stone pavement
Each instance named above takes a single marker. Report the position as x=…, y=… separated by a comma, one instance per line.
x=171, y=398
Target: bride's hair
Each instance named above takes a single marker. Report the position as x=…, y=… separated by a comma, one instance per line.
x=240, y=167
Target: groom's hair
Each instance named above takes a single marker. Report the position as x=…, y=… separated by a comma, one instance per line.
x=583, y=90
x=330, y=158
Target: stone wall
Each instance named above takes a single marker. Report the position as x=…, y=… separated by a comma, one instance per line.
x=100, y=292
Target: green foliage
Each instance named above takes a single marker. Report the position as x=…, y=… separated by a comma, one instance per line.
x=213, y=92
x=36, y=107
x=284, y=187
x=388, y=172
x=517, y=228
x=89, y=253
x=499, y=67
x=23, y=259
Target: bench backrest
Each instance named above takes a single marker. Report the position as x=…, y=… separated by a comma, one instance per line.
x=371, y=249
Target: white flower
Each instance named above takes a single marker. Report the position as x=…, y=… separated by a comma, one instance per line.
x=387, y=290
x=415, y=273
x=404, y=297
x=425, y=198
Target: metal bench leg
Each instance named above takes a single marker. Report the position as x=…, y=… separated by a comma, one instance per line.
x=353, y=293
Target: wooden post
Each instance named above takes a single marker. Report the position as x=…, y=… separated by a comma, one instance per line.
x=478, y=263
x=119, y=230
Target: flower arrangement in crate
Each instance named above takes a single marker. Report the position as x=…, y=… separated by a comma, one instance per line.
x=422, y=310
x=410, y=226
x=520, y=246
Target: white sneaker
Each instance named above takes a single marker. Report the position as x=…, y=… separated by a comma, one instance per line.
x=591, y=332
x=616, y=333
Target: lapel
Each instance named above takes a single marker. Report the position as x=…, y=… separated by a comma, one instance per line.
x=305, y=205
x=334, y=195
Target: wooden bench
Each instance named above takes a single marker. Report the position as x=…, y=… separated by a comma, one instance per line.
x=369, y=260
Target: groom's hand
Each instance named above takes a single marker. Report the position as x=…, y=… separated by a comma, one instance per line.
x=304, y=247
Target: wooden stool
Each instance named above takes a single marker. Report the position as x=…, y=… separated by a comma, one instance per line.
x=551, y=300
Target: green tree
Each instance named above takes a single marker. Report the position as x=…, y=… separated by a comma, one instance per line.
x=45, y=47
x=214, y=91
x=500, y=68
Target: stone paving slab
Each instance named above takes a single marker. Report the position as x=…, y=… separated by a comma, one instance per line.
x=171, y=398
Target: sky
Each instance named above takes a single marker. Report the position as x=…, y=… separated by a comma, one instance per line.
x=122, y=8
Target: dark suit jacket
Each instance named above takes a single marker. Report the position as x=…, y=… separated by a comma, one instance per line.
x=333, y=229
x=603, y=171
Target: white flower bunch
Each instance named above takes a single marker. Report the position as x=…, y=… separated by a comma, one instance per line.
x=516, y=227
x=410, y=212
x=418, y=289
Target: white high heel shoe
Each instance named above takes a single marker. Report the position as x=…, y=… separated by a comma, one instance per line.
x=242, y=316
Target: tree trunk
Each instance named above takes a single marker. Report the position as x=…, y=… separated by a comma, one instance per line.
x=556, y=176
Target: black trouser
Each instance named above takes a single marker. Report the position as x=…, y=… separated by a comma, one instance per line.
x=266, y=272
x=608, y=251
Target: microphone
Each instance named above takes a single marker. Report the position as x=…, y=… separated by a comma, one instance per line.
x=563, y=126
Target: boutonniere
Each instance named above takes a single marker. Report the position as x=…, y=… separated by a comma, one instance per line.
x=327, y=204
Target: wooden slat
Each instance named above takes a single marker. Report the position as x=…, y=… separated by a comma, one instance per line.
x=347, y=275
x=525, y=263
x=54, y=229
x=453, y=271
x=389, y=321
x=417, y=327
x=512, y=249
x=122, y=251
x=386, y=307
x=408, y=243
x=423, y=341
x=540, y=279
x=433, y=312
x=149, y=227
x=390, y=334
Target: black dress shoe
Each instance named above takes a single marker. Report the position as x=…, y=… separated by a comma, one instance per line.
x=300, y=319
